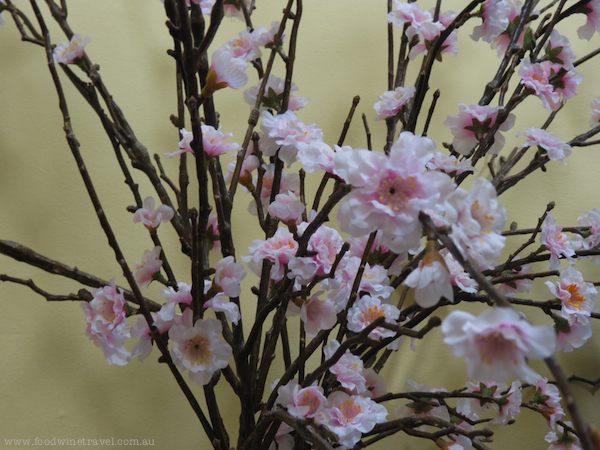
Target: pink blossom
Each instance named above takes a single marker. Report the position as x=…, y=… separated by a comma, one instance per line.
x=458, y=276
x=225, y=71
x=425, y=408
x=473, y=123
x=347, y=369
x=449, y=164
x=349, y=416
x=287, y=208
x=502, y=41
x=228, y=277
x=557, y=148
x=494, y=14
x=562, y=439
x=592, y=23
x=368, y=309
x=391, y=102
x=319, y=156
x=205, y=5
x=245, y=46
x=577, y=296
x=477, y=219
x=150, y=217
x=287, y=134
x=509, y=405
x=390, y=191
x=556, y=241
x=497, y=343
x=279, y=249
x=536, y=78
x=595, y=114
x=430, y=31
x=409, y=13
x=146, y=269
x=558, y=51
x=267, y=40
x=289, y=182
x=474, y=408
x=70, y=52
x=308, y=402
x=183, y=294
x=514, y=287
x=107, y=324
x=212, y=142
x=547, y=397
x=572, y=331
x=220, y=303
x=589, y=219
x=143, y=347
x=431, y=278
x=233, y=8
x=566, y=82
x=250, y=164
x=325, y=243
x=317, y=315
x=375, y=383
x=273, y=95
x=199, y=348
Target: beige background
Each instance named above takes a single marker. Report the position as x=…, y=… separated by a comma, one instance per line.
x=53, y=381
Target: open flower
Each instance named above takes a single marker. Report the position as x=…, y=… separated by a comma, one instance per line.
x=494, y=14
x=562, y=439
x=151, y=217
x=578, y=297
x=225, y=71
x=547, y=397
x=199, y=348
x=147, y=267
x=391, y=102
x=212, y=142
x=556, y=241
x=70, y=52
x=368, y=309
x=557, y=148
x=497, y=343
x=317, y=315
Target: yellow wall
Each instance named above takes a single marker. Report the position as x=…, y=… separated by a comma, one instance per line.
x=53, y=381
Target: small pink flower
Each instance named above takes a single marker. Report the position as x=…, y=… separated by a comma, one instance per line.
x=199, y=348
x=308, y=402
x=173, y=298
x=351, y=415
x=428, y=32
x=497, y=343
x=317, y=315
x=547, y=397
x=502, y=41
x=449, y=164
x=212, y=142
x=556, y=241
x=494, y=14
x=228, y=277
x=225, y=71
x=458, y=276
x=474, y=408
x=536, y=78
x=279, y=249
x=425, y=408
x=274, y=94
x=578, y=242
x=509, y=404
x=287, y=208
x=562, y=439
x=557, y=149
x=245, y=46
x=431, y=278
x=150, y=217
x=319, y=156
x=473, y=123
x=409, y=13
x=572, y=331
x=348, y=369
x=147, y=267
x=558, y=51
x=220, y=303
x=391, y=102
x=516, y=286
x=233, y=8
x=70, y=52
x=578, y=297
x=267, y=40
x=592, y=24
x=368, y=309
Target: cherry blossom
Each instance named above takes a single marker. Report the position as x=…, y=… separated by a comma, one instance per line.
x=428, y=32
x=547, y=397
x=143, y=347
x=375, y=383
x=473, y=124
x=566, y=82
x=475, y=408
x=502, y=41
x=409, y=13
x=308, y=402
x=349, y=416
x=288, y=209
x=562, y=439
x=477, y=219
x=497, y=343
x=390, y=191
x=225, y=71
x=494, y=14
x=558, y=50
x=220, y=303
x=183, y=294
x=279, y=249
x=319, y=156
x=290, y=181
x=592, y=24
x=250, y=164
x=589, y=219
x=233, y=8
x=198, y=347
x=267, y=40
x=572, y=331
x=509, y=405
x=458, y=276
x=288, y=134
x=426, y=407
x=151, y=217
x=514, y=287
x=577, y=296
x=557, y=242
x=431, y=278
x=212, y=142
x=228, y=277
x=317, y=315
x=368, y=309
x=391, y=102
x=347, y=369
x=536, y=78
x=107, y=324
x=595, y=114
x=273, y=95
x=245, y=46
x=146, y=269
x=449, y=164
x=557, y=149
x=70, y=52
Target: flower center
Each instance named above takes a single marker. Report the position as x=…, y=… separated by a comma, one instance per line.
x=349, y=411
x=369, y=316
x=312, y=401
x=494, y=346
x=396, y=192
x=484, y=220
x=576, y=298
x=198, y=350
